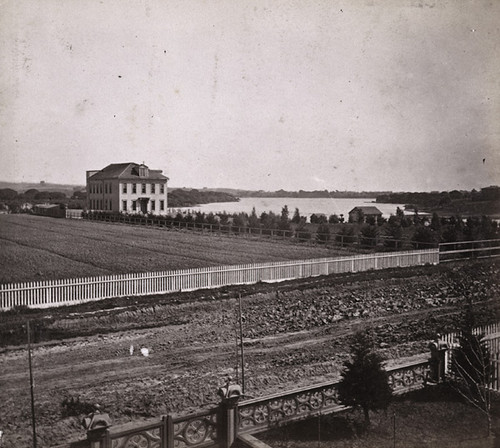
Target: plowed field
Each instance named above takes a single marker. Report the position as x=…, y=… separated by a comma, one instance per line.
x=295, y=333
x=37, y=248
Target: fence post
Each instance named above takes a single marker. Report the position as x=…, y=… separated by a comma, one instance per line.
x=439, y=360
x=98, y=438
x=168, y=440
x=228, y=412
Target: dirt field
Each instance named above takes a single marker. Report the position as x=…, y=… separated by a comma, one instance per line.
x=38, y=248
x=296, y=333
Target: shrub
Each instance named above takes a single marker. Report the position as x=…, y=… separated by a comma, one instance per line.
x=369, y=235
x=74, y=407
x=323, y=234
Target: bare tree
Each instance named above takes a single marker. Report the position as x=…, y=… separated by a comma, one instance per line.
x=472, y=368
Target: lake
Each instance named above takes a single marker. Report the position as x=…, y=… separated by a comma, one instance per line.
x=306, y=206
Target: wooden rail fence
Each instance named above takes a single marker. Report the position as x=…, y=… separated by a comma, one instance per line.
x=49, y=293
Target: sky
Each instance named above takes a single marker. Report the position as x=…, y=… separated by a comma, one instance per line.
x=362, y=95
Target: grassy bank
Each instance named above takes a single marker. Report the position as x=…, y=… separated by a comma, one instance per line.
x=429, y=418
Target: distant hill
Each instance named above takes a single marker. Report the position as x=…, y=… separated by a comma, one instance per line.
x=465, y=203
x=300, y=193
x=183, y=197
x=21, y=187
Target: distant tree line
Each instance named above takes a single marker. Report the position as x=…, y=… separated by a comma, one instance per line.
x=398, y=232
x=308, y=194
x=15, y=202
x=436, y=200
x=180, y=197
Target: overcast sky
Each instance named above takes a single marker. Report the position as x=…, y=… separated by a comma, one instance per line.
x=399, y=95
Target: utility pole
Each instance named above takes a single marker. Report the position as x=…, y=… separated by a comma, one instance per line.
x=242, y=351
x=394, y=429
x=236, y=338
x=33, y=422
x=319, y=429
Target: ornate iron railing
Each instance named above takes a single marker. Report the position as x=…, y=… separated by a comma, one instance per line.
x=195, y=430
x=410, y=377
x=132, y=436
x=207, y=428
x=260, y=414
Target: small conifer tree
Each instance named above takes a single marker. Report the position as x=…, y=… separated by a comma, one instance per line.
x=364, y=382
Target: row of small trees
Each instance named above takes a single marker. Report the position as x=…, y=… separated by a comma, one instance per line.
x=396, y=232
x=365, y=383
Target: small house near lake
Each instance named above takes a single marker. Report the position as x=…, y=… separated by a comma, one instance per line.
x=127, y=188
x=52, y=210
x=362, y=213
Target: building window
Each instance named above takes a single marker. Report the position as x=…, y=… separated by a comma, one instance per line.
x=110, y=189
x=143, y=190
x=153, y=187
x=162, y=188
x=153, y=206
x=143, y=171
x=124, y=188
x=110, y=202
x=124, y=205
x=134, y=205
x=134, y=189
x=105, y=188
x=162, y=205
x=100, y=188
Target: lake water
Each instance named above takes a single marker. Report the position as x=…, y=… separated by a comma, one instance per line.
x=306, y=206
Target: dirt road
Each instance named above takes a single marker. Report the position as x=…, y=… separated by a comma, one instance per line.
x=295, y=333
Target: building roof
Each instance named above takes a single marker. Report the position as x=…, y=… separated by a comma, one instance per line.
x=47, y=206
x=126, y=171
x=367, y=210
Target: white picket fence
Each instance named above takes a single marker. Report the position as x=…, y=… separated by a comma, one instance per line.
x=489, y=331
x=492, y=340
x=50, y=293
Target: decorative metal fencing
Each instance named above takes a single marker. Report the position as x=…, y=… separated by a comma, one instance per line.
x=210, y=428
x=50, y=293
x=264, y=413
x=195, y=430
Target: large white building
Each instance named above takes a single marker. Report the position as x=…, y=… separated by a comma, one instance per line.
x=128, y=188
